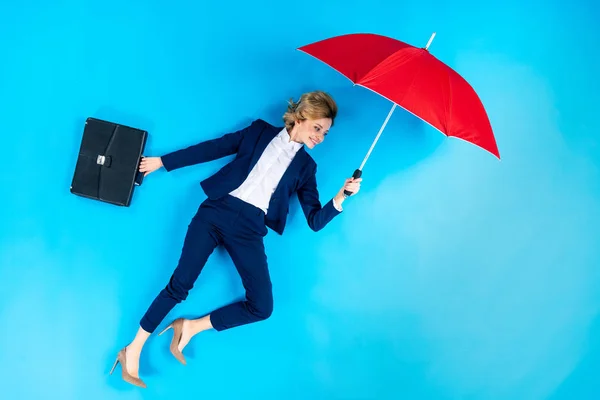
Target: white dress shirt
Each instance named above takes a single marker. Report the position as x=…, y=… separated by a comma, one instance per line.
x=268, y=171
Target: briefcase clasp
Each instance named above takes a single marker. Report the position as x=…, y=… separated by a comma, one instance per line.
x=103, y=160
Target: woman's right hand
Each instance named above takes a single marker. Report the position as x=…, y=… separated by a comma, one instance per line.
x=150, y=164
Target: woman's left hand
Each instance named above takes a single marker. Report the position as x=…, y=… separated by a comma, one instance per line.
x=352, y=185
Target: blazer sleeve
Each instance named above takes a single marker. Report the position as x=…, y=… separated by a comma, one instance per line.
x=317, y=216
x=208, y=150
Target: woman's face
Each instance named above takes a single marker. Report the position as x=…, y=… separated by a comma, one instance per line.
x=311, y=132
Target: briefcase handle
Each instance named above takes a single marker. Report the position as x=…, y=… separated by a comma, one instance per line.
x=139, y=176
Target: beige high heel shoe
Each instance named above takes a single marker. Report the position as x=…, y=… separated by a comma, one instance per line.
x=122, y=358
x=177, y=326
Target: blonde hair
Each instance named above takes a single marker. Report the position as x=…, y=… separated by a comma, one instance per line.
x=312, y=105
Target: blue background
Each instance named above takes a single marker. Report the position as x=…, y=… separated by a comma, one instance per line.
x=452, y=275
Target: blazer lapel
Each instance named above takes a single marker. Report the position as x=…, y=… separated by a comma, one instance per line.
x=262, y=143
x=294, y=169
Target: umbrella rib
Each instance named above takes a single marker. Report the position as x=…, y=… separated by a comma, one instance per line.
x=412, y=82
x=364, y=83
x=330, y=66
x=449, y=108
x=404, y=108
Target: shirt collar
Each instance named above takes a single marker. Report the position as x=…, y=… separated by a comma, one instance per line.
x=285, y=139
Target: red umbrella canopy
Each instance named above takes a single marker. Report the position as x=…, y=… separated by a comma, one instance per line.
x=412, y=78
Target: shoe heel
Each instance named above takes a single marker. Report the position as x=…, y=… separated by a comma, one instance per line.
x=114, y=366
x=166, y=329
x=122, y=359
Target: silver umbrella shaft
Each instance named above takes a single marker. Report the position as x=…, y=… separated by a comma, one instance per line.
x=377, y=138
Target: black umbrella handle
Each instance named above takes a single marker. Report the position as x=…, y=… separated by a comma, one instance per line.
x=357, y=174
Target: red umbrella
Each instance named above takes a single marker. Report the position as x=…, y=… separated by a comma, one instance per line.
x=412, y=78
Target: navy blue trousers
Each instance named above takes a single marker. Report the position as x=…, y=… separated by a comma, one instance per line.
x=240, y=228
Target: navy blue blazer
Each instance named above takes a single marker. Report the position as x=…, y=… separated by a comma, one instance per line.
x=248, y=144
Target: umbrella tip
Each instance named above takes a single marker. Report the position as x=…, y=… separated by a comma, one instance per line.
x=430, y=40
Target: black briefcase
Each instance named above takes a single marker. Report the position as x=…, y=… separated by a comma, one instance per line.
x=108, y=162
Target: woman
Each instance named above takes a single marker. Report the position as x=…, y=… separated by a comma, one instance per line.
x=245, y=197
